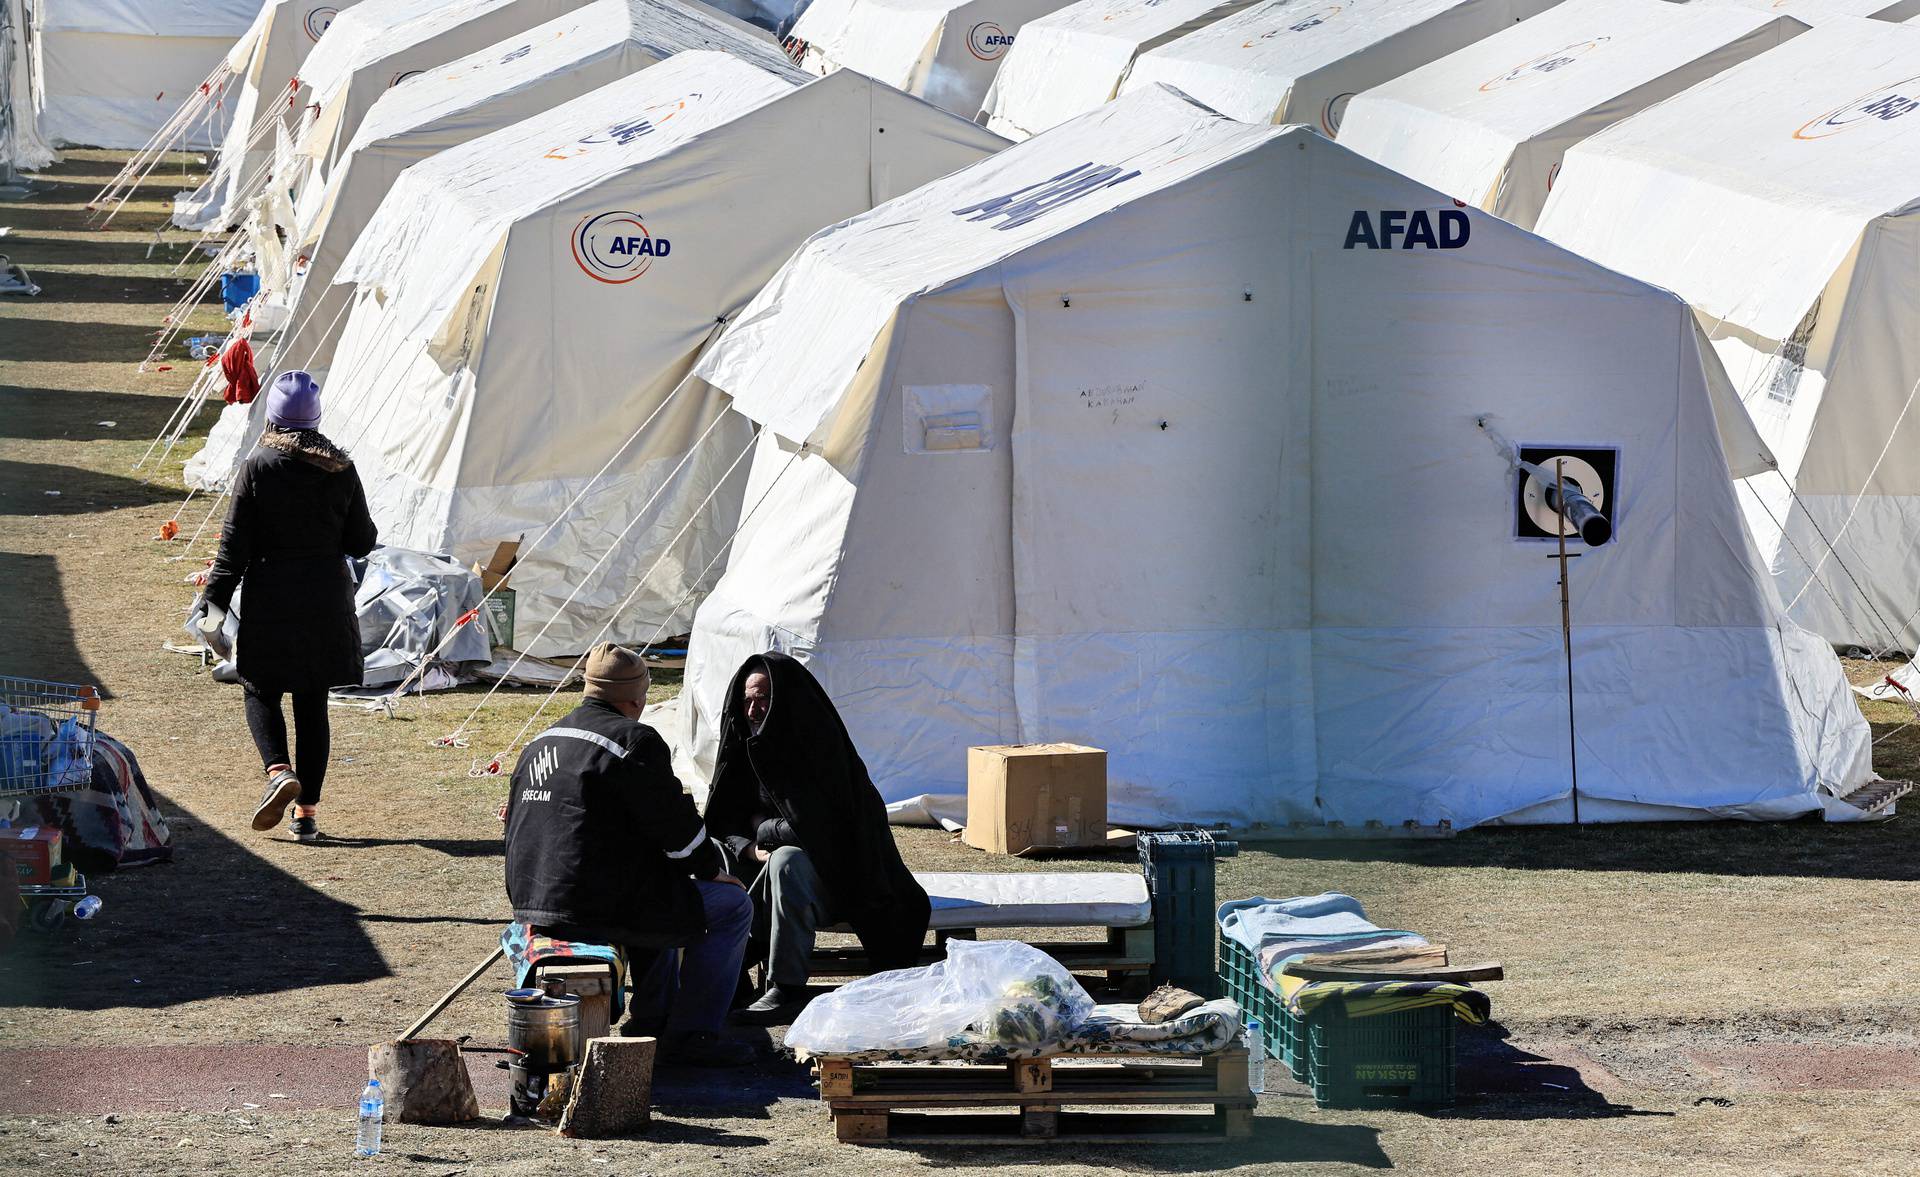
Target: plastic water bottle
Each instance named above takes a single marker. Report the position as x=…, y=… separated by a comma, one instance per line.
x=87, y=908
x=373, y=1110
x=1256, y=1057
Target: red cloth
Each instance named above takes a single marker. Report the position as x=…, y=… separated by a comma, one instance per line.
x=236, y=364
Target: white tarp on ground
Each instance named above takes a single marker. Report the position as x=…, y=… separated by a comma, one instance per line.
x=112, y=72
x=379, y=44
x=265, y=63
x=1124, y=436
x=1782, y=199
x=1070, y=61
x=1301, y=61
x=529, y=299
x=1490, y=123
x=526, y=75
x=946, y=51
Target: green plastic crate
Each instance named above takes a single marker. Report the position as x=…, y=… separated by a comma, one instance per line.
x=1286, y=1035
x=1178, y=866
x=1387, y=1060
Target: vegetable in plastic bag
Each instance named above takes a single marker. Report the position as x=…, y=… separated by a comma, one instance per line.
x=999, y=991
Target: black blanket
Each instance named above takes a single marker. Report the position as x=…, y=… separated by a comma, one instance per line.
x=815, y=776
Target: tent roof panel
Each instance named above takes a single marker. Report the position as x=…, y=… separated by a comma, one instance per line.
x=1574, y=57
x=1745, y=193
x=1814, y=11
x=151, y=18
x=833, y=299
x=449, y=210
x=661, y=28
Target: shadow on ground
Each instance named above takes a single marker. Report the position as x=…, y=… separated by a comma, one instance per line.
x=1888, y=850
x=219, y=921
x=108, y=342
x=24, y=487
x=54, y=414
x=44, y=649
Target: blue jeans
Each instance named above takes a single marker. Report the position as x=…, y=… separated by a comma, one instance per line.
x=690, y=989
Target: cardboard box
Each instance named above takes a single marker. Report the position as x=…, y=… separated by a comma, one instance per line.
x=34, y=852
x=1024, y=797
x=498, y=566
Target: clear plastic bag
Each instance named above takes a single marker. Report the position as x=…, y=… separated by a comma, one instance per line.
x=995, y=991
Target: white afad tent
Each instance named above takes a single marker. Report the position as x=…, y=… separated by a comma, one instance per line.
x=1489, y=124
x=379, y=44
x=1302, y=61
x=945, y=51
x=1195, y=441
x=113, y=72
x=1782, y=199
x=21, y=145
x=528, y=74
x=451, y=104
x=1070, y=61
x=530, y=304
x=265, y=63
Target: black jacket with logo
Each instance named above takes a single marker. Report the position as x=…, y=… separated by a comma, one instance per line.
x=602, y=844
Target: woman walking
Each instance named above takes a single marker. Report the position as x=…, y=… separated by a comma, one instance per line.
x=298, y=512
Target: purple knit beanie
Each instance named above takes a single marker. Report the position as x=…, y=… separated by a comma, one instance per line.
x=294, y=402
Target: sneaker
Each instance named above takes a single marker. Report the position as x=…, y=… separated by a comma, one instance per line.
x=304, y=829
x=282, y=789
x=703, y=1049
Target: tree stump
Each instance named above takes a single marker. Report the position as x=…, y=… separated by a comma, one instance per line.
x=612, y=1089
x=425, y=1081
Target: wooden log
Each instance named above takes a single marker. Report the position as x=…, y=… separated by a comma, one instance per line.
x=612, y=1090
x=425, y=1081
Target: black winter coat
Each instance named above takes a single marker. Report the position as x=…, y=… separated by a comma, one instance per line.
x=602, y=844
x=298, y=512
x=813, y=774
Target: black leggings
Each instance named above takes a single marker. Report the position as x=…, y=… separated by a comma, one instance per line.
x=269, y=728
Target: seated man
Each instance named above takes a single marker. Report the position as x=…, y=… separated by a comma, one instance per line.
x=604, y=847
x=793, y=802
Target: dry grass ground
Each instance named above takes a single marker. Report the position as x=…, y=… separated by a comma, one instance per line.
x=1700, y=998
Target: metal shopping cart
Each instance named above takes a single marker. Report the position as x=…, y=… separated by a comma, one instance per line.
x=46, y=747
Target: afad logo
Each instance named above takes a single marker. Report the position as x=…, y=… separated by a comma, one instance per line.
x=319, y=20
x=1886, y=104
x=1312, y=20
x=1415, y=230
x=988, y=41
x=1546, y=63
x=403, y=75
x=615, y=247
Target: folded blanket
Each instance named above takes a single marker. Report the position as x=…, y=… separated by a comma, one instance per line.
x=1279, y=930
x=1365, y=999
x=524, y=950
x=1110, y=1029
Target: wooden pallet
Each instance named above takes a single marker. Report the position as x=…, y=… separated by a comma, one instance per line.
x=915, y=1103
x=1878, y=796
